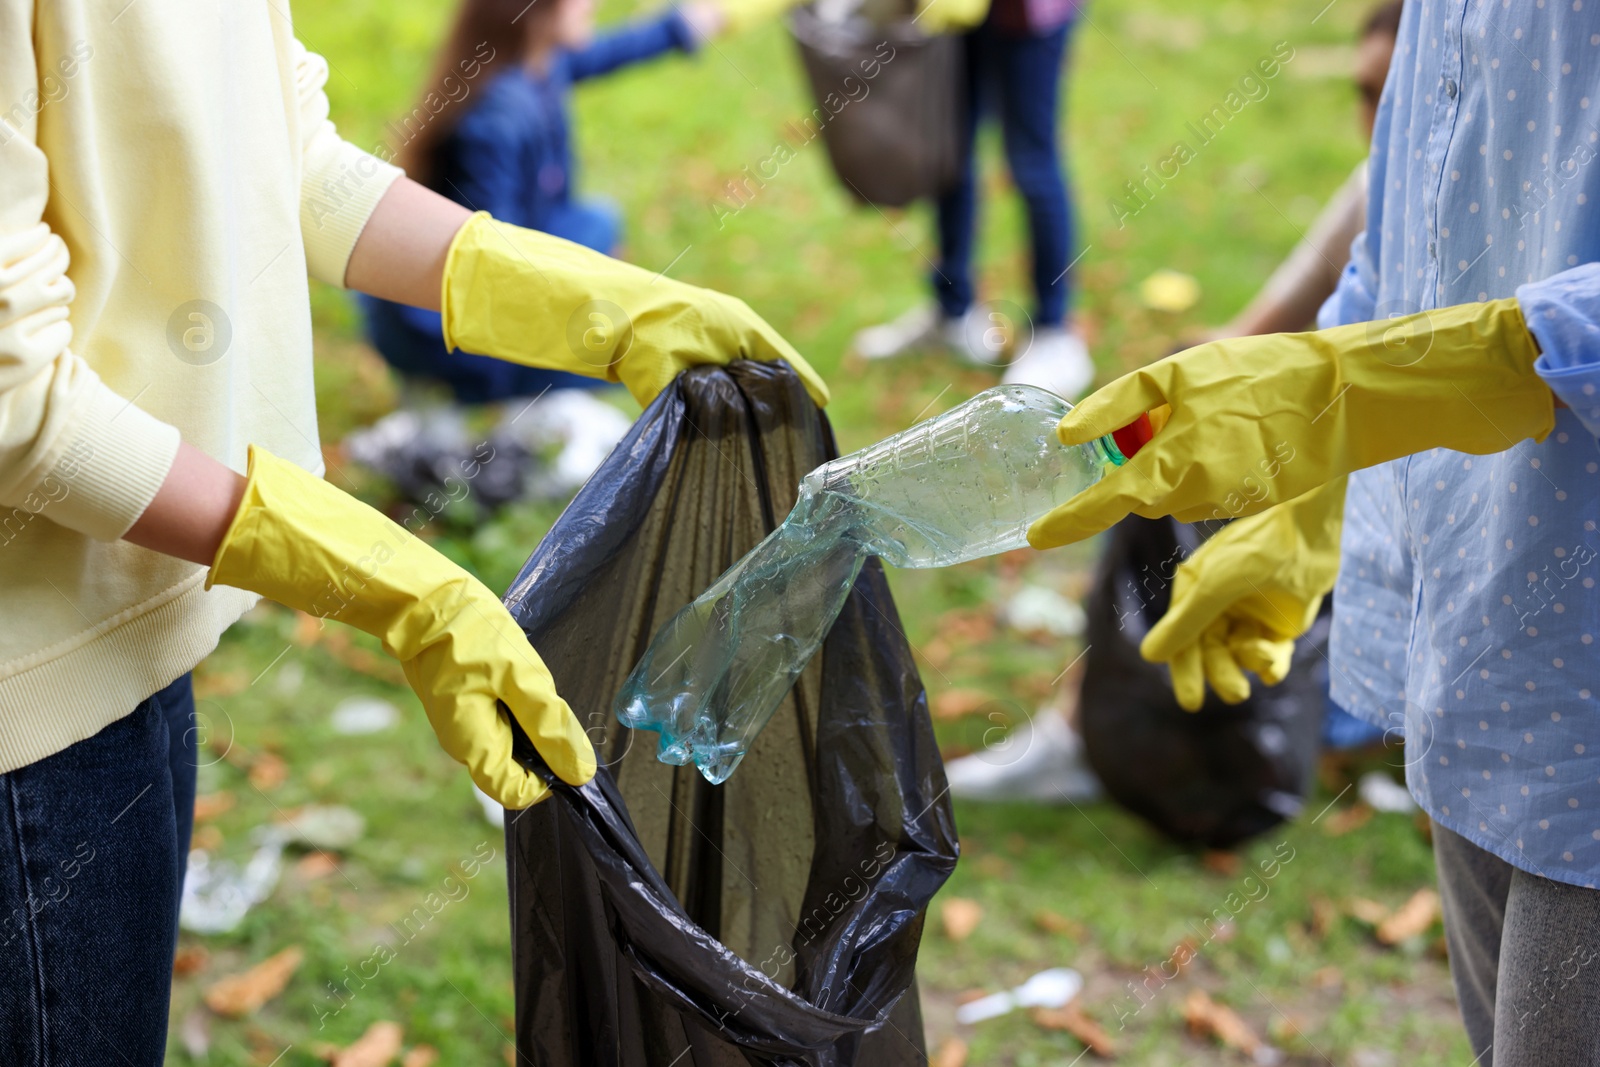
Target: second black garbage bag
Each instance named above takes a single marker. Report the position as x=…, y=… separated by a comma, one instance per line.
x=660, y=921
x=1215, y=777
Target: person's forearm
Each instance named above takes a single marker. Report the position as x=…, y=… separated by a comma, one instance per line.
x=400, y=254
x=192, y=509
x=1275, y=314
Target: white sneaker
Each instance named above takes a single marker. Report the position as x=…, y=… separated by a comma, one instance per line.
x=1042, y=762
x=915, y=329
x=1057, y=361
x=969, y=337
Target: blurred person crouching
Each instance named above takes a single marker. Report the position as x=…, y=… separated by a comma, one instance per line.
x=493, y=131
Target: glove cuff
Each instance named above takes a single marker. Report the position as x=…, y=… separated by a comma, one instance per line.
x=527, y=297
x=309, y=546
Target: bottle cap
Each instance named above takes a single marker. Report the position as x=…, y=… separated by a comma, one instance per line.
x=1133, y=436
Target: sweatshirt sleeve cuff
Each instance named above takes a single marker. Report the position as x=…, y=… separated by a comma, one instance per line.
x=110, y=463
x=340, y=189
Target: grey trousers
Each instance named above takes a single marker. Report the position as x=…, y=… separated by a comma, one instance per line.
x=1525, y=956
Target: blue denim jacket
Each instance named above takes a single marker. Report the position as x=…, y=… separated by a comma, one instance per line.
x=511, y=154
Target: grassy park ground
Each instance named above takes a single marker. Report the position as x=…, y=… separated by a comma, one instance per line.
x=1088, y=887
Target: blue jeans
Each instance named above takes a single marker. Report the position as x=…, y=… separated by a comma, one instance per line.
x=93, y=843
x=411, y=340
x=1022, y=74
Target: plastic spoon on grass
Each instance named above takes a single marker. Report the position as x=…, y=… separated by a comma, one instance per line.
x=1054, y=988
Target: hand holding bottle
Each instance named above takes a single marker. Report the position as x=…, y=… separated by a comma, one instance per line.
x=1338, y=400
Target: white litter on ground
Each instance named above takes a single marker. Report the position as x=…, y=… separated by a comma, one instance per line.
x=1037, y=608
x=355, y=716
x=1383, y=793
x=1054, y=988
x=219, y=893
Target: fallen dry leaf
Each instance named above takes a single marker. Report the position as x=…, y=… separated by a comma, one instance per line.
x=337, y=643
x=1343, y=821
x=1072, y=1020
x=1055, y=923
x=956, y=703
x=1368, y=911
x=1324, y=917
x=1411, y=919
x=190, y=959
x=1036, y=687
x=264, y=1046
x=1329, y=977
x=210, y=805
x=960, y=917
x=241, y=994
x=421, y=1056
x=211, y=684
x=1184, y=953
x=267, y=771
x=992, y=866
x=1012, y=563
x=307, y=628
x=967, y=996
x=1207, y=1018
x=1287, y=1029
x=376, y=1048
x=1217, y=861
x=1170, y=291
x=953, y=1053
x=966, y=626
x=314, y=865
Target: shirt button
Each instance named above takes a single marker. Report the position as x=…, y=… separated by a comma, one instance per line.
x=1432, y=251
x=1450, y=88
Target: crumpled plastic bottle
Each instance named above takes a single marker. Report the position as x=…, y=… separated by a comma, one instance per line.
x=958, y=487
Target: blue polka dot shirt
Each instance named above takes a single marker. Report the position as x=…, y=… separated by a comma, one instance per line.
x=1466, y=614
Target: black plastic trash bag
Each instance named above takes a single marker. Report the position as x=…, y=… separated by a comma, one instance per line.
x=660, y=921
x=1216, y=777
x=888, y=101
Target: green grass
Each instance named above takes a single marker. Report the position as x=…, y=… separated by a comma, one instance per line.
x=661, y=142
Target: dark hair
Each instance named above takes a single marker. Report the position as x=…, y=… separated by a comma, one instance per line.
x=1384, y=19
x=488, y=36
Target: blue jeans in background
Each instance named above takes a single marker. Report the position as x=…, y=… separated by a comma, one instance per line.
x=1022, y=76
x=93, y=844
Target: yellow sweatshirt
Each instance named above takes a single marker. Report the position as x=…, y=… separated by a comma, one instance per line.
x=168, y=178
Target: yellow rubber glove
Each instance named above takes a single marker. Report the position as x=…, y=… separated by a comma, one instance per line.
x=950, y=16
x=1242, y=599
x=741, y=15
x=527, y=297
x=305, y=544
x=1260, y=420
x=933, y=16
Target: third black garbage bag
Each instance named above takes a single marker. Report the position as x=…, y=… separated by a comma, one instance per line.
x=660, y=921
x=1213, y=777
x=888, y=105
